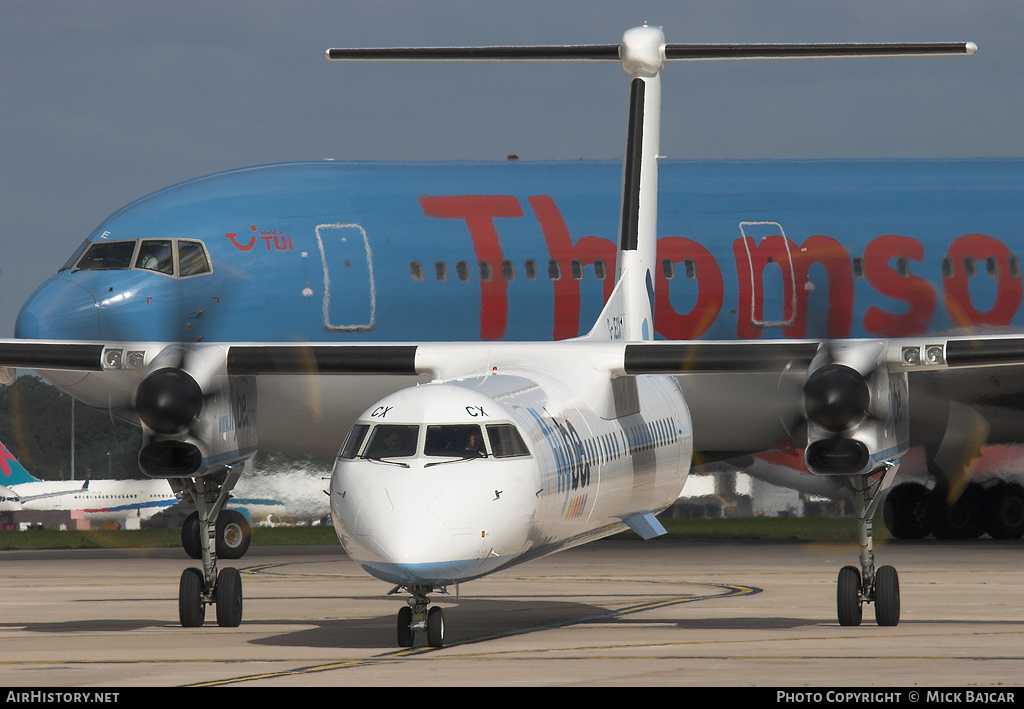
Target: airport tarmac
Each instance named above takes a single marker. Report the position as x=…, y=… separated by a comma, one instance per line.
x=663, y=612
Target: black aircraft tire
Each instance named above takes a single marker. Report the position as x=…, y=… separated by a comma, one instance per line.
x=233, y=535
x=903, y=511
x=961, y=520
x=848, y=596
x=887, y=596
x=190, y=536
x=405, y=634
x=435, y=627
x=191, y=609
x=1003, y=506
x=229, y=598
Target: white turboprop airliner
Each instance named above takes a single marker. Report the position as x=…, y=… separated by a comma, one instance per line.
x=515, y=450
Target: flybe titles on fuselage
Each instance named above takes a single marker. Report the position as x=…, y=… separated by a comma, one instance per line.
x=571, y=462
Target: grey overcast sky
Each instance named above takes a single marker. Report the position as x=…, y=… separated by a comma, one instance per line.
x=102, y=102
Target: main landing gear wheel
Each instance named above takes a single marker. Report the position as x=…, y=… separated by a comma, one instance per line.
x=855, y=587
x=229, y=598
x=848, y=596
x=233, y=535
x=887, y=597
x=191, y=608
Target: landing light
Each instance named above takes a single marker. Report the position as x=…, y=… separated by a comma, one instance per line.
x=933, y=354
x=912, y=356
x=112, y=359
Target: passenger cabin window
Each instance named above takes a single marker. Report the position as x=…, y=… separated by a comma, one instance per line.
x=457, y=440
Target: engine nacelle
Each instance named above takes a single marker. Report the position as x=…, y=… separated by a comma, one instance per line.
x=857, y=411
x=190, y=430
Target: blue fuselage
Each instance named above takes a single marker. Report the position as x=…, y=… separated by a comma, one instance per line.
x=332, y=251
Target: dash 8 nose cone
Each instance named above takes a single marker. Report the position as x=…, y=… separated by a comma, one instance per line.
x=169, y=400
x=836, y=397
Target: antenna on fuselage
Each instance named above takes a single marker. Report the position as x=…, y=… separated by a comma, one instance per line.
x=629, y=313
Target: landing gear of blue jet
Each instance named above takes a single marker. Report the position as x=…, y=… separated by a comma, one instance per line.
x=233, y=535
x=199, y=588
x=855, y=587
x=417, y=618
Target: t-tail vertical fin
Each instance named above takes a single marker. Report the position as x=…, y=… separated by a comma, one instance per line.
x=11, y=471
x=629, y=312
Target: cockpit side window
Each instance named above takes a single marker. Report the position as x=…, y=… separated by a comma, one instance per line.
x=506, y=442
x=356, y=435
x=78, y=252
x=107, y=255
x=192, y=259
x=156, y=255
x=392, y=441
x=456, y=440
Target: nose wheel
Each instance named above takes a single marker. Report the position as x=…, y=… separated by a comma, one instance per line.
x=417, y=618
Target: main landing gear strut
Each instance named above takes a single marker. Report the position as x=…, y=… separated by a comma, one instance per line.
x=868, y=585
x=416, y=618
x=208, y=586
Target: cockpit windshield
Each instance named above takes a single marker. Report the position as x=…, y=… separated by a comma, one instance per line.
x=461, y=440
x=458, y=441
x=392, y=441
x=180, y=258
x=106, y=256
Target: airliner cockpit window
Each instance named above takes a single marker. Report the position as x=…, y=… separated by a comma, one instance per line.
x=392, y=441
x=456, y=440
x=107, y=255
x=78, y=252
x=506, y=441
x=192, y=259
x=156, y=255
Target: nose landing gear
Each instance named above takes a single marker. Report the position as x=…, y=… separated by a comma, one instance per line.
x=417, y=618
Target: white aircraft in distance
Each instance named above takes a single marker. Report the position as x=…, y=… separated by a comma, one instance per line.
x=289, y=495
x=505, y=451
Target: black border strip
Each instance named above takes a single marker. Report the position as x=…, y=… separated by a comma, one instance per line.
x=33, y=355
x=710, y=358
x=313, y=359
x=629, y=229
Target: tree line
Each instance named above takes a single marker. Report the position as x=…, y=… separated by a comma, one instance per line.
x=36, y=426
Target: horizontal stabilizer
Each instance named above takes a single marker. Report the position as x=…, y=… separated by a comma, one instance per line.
x=669, y=52
x=713, y=52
